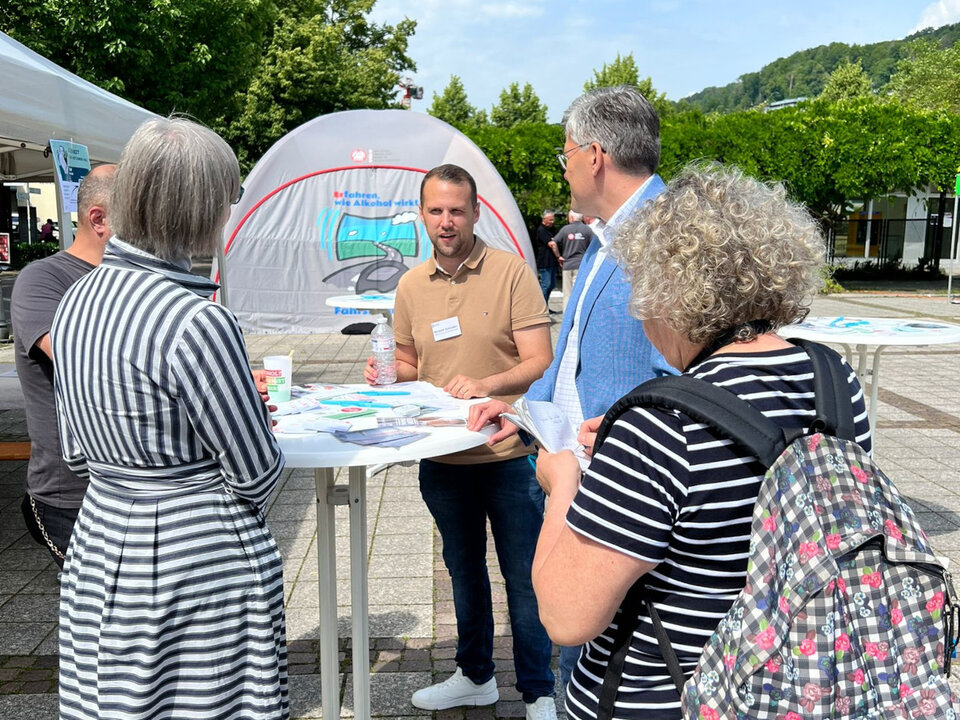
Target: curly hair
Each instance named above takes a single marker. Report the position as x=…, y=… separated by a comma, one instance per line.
x=718, y=250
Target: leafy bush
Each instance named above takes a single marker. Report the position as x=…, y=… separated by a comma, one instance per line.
x=871, y=270
x=21, y=254
x=830, y=284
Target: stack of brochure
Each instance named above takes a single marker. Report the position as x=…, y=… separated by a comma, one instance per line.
x=390, y=416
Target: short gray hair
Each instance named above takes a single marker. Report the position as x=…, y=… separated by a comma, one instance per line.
x=622, y=121
x=717, y=250
x=575, y=216
x=95, y=189
x=174, y=185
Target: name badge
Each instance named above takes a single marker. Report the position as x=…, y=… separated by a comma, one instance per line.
x=445, y=329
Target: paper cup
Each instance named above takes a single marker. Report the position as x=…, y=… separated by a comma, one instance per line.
x=279, y=372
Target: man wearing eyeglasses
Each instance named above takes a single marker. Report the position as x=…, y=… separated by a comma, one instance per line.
x=610, y=158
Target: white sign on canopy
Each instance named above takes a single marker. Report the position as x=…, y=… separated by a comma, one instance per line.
x=331, y=209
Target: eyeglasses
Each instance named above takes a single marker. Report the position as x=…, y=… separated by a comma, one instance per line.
x=239, y=196
x=564, y=155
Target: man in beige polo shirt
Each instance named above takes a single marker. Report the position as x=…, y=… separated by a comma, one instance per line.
x=472, y=320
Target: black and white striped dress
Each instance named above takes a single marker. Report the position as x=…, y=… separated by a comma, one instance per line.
x=670, y=491
x=172, y=592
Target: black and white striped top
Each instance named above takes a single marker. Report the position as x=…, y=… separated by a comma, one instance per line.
x=670, y=491
x=172, y=594
x=153, y=379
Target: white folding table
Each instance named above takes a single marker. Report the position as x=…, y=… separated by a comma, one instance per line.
x=879, y=333
x=324, y=453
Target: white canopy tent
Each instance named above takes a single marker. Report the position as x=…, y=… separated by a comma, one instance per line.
x=331, y=209
x=40, y=101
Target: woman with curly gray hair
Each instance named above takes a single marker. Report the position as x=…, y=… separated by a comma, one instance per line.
x=718, y=263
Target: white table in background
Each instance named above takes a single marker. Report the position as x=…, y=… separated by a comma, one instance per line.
x=324, y=453
x=879, y=333
x=380, y=302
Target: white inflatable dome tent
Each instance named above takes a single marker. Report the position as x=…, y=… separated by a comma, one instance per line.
x=331, y=209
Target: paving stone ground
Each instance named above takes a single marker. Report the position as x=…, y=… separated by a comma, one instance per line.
x=412, y=624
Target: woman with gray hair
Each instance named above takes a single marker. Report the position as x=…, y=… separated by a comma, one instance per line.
x=172, y=590
x=718, y=263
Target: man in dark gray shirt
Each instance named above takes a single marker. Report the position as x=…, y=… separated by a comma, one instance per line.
x=572, y=241
x=53, y=493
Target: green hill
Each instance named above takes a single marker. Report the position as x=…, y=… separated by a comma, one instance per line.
x=804, y=73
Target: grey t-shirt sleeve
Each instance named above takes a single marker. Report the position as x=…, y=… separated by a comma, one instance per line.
x=36, y=295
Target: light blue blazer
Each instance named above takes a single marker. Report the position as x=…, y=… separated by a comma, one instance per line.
x=614, y=354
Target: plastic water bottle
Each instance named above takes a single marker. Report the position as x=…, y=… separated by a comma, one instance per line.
x=384, y=352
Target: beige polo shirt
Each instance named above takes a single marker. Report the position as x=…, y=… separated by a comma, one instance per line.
x=492, y=294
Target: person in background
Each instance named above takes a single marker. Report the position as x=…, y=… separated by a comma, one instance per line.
x=718, y=263
x=471, y=319
x=54, y=492
x=172, y=590
x=46, y=230
x=546, y=254
x=572, y=241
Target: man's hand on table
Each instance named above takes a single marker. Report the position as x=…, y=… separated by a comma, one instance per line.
x=464, y=387
x=491, y=412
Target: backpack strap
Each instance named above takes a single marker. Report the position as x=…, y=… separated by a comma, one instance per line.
x=626, y=626
x=831, y=392
x=732, y=417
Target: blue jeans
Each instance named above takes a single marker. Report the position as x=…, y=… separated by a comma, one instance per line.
x=548, y=281
x=569, y=655
x=461, y=498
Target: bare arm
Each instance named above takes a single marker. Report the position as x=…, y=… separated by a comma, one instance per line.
x=535, y=351
x=44, y=344
x=566, y=562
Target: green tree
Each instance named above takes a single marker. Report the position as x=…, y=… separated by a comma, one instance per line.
x=827, y=154
x=526, y=158
x=623, y=71
x=251, y=69
x=847, y=82
x=452, y=105
x=518, y=107
x=928, y=77
x=330, y=58
x=191, y=56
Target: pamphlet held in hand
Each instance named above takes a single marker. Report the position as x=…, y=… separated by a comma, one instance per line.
x=548, y=426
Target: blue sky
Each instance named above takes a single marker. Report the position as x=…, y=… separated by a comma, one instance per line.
x=683, y=45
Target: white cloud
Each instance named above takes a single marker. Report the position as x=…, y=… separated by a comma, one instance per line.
x=505, y=10
x=942, y=12
x=403, y=218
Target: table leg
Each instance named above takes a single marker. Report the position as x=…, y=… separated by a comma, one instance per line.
x=327, y=582
x=874, y=391
x=358, y=592
x=862, y=363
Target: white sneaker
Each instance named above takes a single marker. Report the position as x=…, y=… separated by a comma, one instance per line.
x=545, y=708
x=455, y=691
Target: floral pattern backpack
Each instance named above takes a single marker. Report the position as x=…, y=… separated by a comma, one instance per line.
x=847, y=612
